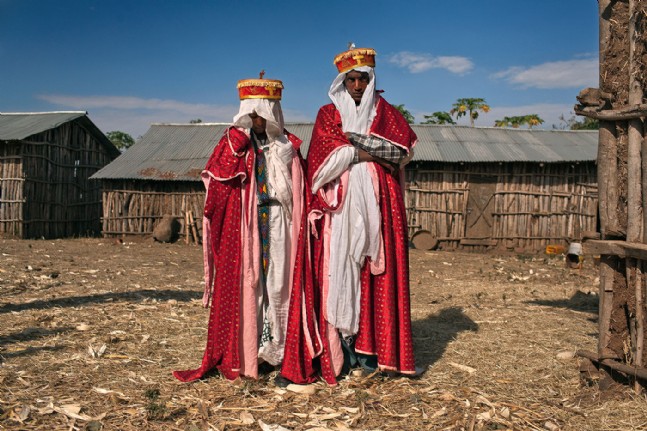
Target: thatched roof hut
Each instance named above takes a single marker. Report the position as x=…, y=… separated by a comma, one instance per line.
x=46, y=160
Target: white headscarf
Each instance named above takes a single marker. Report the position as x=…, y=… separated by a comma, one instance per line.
x=279, y=156
x=355, y=229
x=355, y=118
x=266, y=108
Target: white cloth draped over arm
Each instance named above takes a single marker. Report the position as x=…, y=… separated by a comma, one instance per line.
x=355, y=235
x=332, y=168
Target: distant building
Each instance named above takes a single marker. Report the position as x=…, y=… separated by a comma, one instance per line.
x=468, y=188
x=46, y=160
x=479, y=188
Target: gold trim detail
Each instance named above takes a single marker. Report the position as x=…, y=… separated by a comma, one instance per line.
x=354, y=52
x=275, y=83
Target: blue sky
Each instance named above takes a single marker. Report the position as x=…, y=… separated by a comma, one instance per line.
x=133, y=63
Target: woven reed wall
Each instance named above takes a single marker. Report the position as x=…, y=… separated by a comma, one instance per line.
x=533, y=205
x=11, y=189
x=134, y=207
x=46, y=190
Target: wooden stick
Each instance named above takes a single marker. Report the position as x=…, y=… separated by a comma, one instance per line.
x=626, y=113
x=634, y=189
x=615, y=365
x=194, y=228
x=608, y=178
x=607, y=275
x=186, y=228
x=640, y=331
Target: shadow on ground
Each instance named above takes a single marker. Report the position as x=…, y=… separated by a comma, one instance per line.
x=580, y=301
x=432, y=334
x=130, y=296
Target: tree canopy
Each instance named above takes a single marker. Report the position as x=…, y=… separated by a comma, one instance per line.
x=530, y=120
x=405, y=113
x=573, y=124
x=121, y=140
x=439, y=117
x=470, y=107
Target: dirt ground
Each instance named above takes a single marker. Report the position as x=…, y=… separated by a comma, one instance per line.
x=90, y=330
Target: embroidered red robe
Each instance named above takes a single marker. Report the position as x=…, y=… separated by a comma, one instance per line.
x=385, y=320
x=231, y=223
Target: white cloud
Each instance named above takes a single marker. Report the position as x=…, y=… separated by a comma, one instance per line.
x=134, y=103
x=134, y=115
x=421, y=62
x=557, y=74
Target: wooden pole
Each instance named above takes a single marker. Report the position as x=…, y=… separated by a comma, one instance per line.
x=634, y=171
x=607, y=275
x=627, y=369
x=635, y=227
x=607, y=145
x=186, y=228
x=640, y=332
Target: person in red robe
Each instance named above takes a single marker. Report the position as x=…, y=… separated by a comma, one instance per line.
x=252, y=214
x=350, y=297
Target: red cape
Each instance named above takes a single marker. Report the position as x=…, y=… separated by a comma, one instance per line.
x=230, y=167
x=385, y=321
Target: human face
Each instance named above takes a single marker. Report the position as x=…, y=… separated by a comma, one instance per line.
x=258, y=123
x=356, y=83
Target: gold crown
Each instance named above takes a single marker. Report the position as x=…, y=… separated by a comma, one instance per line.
x=259, y=88
x=355, y=57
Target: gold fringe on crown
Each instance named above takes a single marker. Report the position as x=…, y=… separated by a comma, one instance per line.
x=259, y=88
x=355, y=57
x=260, y=83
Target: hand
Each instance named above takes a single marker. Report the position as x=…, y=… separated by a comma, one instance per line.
x=387, y=165
x=366, y=157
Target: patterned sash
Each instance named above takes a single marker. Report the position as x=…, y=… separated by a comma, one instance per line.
x=263, y=208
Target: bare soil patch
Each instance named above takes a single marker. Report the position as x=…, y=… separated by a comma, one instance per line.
x=90, y=330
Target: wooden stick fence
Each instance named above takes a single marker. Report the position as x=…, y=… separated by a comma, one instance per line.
x=45, y=190
x=533, y=204
x=134, y=208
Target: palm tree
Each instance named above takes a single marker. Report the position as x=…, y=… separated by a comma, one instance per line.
x=516, y=121
x=469, y=106
x=532, y=120
x=439, y=117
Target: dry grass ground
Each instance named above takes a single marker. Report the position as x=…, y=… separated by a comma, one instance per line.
x=91, y=329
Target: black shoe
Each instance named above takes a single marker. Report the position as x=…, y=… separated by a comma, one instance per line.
x=281, y=381
x=265, y=368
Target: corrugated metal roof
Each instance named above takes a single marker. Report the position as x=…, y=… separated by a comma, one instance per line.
x=180, y=151
x=481, y=144
x=20, y=125
x=166, y=152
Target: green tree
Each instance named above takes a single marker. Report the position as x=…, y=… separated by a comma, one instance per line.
x=405, y=113
x=196, y=121
x=586, y=124
x=530, y=120
x=439, y=117
x=572, y=124
x=120, y=139
x=469, y=106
